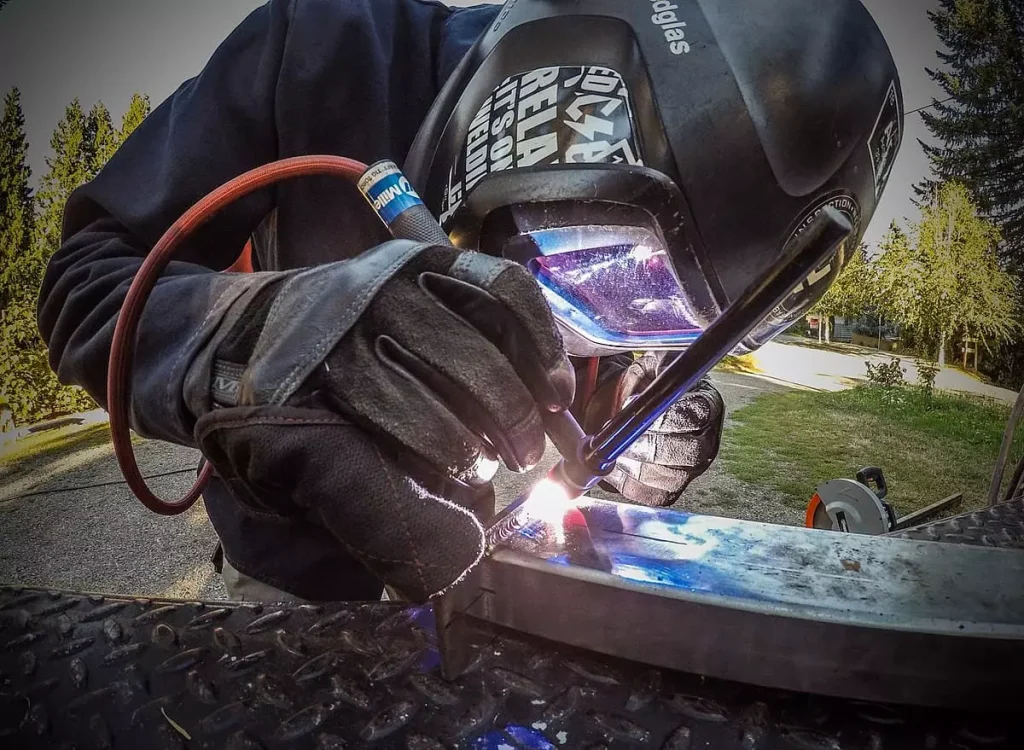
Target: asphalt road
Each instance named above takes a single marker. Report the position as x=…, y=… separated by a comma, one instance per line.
x=75, y=535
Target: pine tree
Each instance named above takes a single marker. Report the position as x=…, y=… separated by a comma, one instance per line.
x=981, y=124
x=17, y=291
x=81, y=144
x=138, y=109
x=16, y=203
x=101, y=140
x=26, y=380
x=68, y=167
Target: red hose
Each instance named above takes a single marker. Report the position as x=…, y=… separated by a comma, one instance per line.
x=122, y=346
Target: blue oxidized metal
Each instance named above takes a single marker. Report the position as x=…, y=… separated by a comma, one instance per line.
x=840, y=614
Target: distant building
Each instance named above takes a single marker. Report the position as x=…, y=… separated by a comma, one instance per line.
x=842, y=329
x=864, y=330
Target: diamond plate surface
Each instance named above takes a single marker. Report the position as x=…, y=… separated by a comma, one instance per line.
x=95, y=672
x=999, y=526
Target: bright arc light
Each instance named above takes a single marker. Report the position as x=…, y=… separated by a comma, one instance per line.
x=549, y=502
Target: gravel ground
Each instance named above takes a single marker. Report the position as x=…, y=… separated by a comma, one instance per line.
x=101, y=539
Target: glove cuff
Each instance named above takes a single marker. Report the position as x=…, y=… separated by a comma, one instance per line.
x=212, y=379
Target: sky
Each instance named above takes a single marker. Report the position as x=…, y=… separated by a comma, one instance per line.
x=56, y=50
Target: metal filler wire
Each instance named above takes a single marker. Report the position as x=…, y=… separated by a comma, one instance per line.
x=585, y=460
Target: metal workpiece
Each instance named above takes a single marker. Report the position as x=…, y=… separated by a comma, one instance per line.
x=857, y=616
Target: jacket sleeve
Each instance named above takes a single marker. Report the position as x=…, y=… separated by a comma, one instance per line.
x=221, y=123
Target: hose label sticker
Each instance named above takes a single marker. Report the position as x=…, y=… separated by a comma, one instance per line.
x=885, y=139
x=558, y=115
x=388, y=190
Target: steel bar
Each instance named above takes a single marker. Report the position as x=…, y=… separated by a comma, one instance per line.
x=873, y=618
x=928, y=513
x=1016, y=414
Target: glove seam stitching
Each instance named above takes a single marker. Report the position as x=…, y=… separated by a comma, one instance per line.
x=272, y=421
x=327, y=343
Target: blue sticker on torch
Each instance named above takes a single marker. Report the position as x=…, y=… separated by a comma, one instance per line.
x=388, y=190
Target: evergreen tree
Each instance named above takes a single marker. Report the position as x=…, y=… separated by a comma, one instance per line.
x=70, y=166
x=16, y=203
x=981, y=124
x=138, y=109
x=81, y=144
x=102, y=138
x=17, y=269
x=26, y=380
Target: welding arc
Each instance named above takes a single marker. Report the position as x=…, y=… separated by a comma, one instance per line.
x=122, y=346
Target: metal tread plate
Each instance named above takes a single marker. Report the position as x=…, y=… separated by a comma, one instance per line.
x=1000, y=526
x=99, y=672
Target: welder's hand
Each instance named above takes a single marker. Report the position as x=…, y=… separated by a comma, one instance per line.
x=676, y=449
x=367, y=394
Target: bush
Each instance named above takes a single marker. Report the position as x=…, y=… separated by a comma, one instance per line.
x=28, y=386
x=926, y=372
x=886, y=375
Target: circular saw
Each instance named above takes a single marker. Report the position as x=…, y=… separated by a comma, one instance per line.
x=853, y=506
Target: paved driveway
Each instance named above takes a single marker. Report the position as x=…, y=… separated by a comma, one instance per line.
x=837, y=366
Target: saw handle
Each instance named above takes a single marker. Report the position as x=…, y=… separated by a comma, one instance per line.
x=872, y=477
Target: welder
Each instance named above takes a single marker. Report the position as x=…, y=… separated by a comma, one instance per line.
x=611, y=174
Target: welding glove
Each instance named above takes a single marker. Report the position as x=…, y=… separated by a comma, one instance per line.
x=367, y=394
x=676, y=449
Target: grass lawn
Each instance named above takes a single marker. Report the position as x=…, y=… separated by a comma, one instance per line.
x=928, y=447
x=55, y=442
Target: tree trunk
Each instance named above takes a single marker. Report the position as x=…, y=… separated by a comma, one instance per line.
x=942, y=350
x=821, y=324
x=828, y=330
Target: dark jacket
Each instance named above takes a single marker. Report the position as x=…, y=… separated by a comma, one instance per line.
x=348, y=77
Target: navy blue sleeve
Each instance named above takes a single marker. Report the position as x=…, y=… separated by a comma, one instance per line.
x=250, y=105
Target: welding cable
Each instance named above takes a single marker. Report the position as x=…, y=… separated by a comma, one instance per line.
x=122, y=346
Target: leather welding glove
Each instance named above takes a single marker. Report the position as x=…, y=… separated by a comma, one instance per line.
x=363, y=394
x=677, y=448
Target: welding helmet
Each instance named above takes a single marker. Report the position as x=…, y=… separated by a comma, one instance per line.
x=648, y=160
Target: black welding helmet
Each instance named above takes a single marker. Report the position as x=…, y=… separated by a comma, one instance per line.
x=649, y=159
